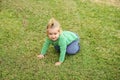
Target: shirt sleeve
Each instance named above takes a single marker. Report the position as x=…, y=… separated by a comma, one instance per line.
x=63, y=46
x=45, y=46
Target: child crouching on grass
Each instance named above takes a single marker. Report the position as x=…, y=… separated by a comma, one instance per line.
x=65, y=42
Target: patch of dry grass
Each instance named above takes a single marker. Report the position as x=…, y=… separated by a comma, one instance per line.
x=108, y=2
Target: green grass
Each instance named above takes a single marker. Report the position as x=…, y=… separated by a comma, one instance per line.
x=22, y=33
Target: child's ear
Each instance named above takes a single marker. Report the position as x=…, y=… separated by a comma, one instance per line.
x=59, y=31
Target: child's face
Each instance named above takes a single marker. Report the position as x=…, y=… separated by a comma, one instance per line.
x=53, y=34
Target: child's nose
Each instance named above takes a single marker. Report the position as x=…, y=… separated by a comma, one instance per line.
x=53, y=36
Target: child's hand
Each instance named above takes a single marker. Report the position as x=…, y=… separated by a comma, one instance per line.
x=58, y=63
x=40, y=56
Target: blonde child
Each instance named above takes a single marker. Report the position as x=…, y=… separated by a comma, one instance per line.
x=65, y=42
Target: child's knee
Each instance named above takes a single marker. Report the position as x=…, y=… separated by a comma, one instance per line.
x=73, y=50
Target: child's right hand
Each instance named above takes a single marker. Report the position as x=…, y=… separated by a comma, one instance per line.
x=40, y=56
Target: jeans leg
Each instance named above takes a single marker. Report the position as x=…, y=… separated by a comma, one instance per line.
x=73, y=48
x=57, y=48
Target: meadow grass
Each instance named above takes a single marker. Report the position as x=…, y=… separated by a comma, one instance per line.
x=22, y=34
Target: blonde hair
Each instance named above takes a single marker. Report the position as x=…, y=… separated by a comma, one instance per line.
x=53, y=24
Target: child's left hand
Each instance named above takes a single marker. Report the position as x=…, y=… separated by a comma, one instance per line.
x=58, y=63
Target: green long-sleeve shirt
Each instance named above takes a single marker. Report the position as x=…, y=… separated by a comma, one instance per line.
x=65, y=38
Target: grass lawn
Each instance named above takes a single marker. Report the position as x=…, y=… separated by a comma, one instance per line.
x=22, y=33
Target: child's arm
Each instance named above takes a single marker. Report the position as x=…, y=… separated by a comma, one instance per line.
x=62, y=52
x=61, y=59
x=44, y=49
x=45, y=46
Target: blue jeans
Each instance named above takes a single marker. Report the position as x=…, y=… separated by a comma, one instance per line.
x=72, y=48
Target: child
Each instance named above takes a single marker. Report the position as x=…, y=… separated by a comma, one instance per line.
x=63, y=41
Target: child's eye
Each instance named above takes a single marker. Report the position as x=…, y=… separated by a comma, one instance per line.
x=50, y=33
